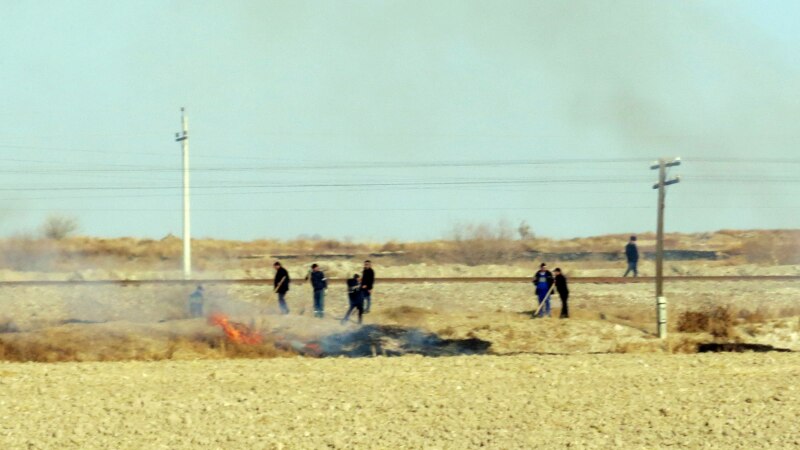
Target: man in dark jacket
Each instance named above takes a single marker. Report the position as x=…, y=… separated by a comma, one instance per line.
x=318, y=283
x=563, y=292
x=632, y=254
x=367, y=280
x=281, y=286
x=543, y=280
x=355, y=297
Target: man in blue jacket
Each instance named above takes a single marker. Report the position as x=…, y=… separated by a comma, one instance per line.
x=543, y=280
x=632, y=254
x=319, y=283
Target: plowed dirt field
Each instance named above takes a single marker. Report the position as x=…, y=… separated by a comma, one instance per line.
x=742, y=401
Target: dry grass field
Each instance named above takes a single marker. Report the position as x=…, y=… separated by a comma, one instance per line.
x=123, y=366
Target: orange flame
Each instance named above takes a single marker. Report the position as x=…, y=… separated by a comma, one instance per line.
x=235, y=332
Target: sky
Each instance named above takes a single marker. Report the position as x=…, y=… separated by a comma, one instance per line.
x=379, y=120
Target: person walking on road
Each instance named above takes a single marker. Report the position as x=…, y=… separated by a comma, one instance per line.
x=318, y=283
x=543, y=280
x=563, y=292
x=632, y=254
x=281, y=286
x=367, y=281
x=355, y=297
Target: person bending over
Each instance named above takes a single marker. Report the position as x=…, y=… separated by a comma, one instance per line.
x=356, y=298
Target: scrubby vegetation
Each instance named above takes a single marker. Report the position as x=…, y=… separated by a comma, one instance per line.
x=466, y=244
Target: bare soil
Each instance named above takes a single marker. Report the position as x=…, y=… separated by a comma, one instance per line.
x=730, y=401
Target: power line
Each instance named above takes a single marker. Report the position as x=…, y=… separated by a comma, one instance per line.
x=336, y=166
x=444, y=209
x=408, y=184
x=358, y=189
x=333, y=185
x=361, y=165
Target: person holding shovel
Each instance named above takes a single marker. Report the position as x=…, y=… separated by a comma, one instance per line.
x=318, y=283
x=356, y=299
x=543, y=280
x=281, y=286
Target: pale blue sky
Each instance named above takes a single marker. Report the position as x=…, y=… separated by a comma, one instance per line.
x=398, y=119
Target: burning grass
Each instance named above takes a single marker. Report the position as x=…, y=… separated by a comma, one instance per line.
x=101, y=342
x=236, y=332
x=220, y=338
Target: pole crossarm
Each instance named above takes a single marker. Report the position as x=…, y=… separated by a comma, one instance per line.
x=673, y=163
x=675, y=180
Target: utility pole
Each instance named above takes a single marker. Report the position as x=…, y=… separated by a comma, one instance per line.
x=183, y=138
x=661, y=301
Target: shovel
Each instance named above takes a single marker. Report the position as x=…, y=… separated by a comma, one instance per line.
x=550, y=291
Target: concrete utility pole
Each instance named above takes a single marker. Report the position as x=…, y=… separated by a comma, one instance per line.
x=661, y=301
x=183, y=138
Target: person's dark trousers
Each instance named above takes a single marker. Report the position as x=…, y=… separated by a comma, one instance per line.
x=632, y=268
x=319, y=303
x=282, y=302
x=564, y=306
x=359, y=305
x=367, y=300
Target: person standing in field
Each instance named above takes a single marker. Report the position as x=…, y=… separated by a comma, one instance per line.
x=318, y=283
x=563, y=292
x=367, y=281
x=543, y=280
x=355, y=297
x=196, y=301
x=281, y=286
x=632, y=254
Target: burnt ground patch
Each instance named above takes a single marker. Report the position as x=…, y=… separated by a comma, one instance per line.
x=388, y=340
x=737, y=347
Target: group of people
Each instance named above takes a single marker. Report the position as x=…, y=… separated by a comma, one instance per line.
x=545, y=282
x=359, y=289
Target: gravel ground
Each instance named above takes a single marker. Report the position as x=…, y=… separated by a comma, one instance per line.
x=741, y=401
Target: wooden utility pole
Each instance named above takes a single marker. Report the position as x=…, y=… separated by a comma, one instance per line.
x=183, y=138
x=661, y=301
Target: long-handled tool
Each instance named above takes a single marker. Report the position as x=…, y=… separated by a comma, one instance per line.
x=275, y=291
x=550, y=291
